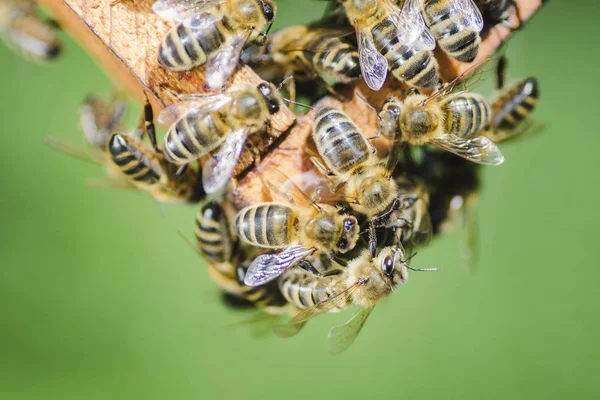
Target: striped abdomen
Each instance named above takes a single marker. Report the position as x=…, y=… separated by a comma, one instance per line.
x=339, y=141
x=190, y=44
x=448, y=28
x=515, y=104
x=133, y=159
x=267, y=225
x=466, y=114
x=333, y=57
x=494, y=11
x=194, y=135
x=418, y=68
x=304, y=290
x=212, y=233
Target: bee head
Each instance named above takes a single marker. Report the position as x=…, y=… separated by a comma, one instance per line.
x=349, y=235
x=389, y=118
x=269, y=92
x=392, y=266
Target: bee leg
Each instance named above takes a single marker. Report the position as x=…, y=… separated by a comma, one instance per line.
x=372, y=238
x=181, y=169
x=308, y=267
x=115, y=2
x=501, y=72
x=317, y=163
x=149, y=127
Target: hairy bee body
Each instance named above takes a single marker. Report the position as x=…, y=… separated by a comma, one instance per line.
x=465, y=114
x=278, y=225
x=374, y=279
x=514, y=105
x=200, y=131
x=23, y=30
x=227, y=265
x=147, y=170
x=319, y=50
x=192, y=43
x=417, y=68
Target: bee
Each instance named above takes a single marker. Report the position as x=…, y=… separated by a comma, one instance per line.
x=511, y=108
x=296, y=230
x=364, y=282
x=347, y=154
x=455, y=24
x=146, y=168
x=227, y=260
x=203, y=124
x=27, y=33
x=394, y=38
x=301, y=49
x=448, y=120
x=211, y=32
x=412, y=224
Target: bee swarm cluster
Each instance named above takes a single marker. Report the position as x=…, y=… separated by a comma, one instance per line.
x=304, y=214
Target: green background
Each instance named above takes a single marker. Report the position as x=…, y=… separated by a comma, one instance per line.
x=100, y=298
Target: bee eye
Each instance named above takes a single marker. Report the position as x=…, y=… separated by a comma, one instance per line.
x=388, y=267
x=268, y=11
x=273, y=107
x=348, y=225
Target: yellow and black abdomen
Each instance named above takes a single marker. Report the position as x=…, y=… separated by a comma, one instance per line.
x=212, y=233
x=191, y=43
x=466, y=114
x=269, y=225
x=194, y=135
x=458, y=40
x=515, y=104
x=418, y=68
x=339, y=141
x=305, y=290
x=333, y=57
x=133, y=160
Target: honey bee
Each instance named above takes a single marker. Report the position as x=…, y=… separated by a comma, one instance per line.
x=511, y=108
x=298, y=231
x=347, y=154
x=364, y=282
x=227, y=261
x=212, y=32
x=392, y=37
x=301, y=49
x=200, y=125
x=147, y=169
x=455, y=24
x=27, y=33
x=448, y=120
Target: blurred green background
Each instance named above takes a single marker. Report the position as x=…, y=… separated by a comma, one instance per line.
x=100, y=298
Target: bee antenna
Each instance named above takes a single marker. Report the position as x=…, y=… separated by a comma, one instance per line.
x=368, y=105
x=422, y=269
x=296, y=103
x=283, y=82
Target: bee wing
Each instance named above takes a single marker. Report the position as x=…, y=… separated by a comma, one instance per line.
x=469, y=14
x=222, y=64
x=218, y=170
x=99, y=119
x=179, y=10
x=424, y=234
x=267, y=267
x=75, y=152
x=175, y=111
x=373, y=65
x=480, y=149
x=411, y=27
x=326, y=305
x=313, y=187
x=342, y=336
x=288, y=330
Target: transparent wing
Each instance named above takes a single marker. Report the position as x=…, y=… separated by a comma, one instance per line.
x=288, y=330
x=342, y=336
x=175, y=111
x=470, y=16
x=411, y=27
x=180, y=10
x=66, y=148
x=313, y=186
x=267, y=267
x=327, y=305
x=218, y=170
x=373, y=65
x=222, y=64
x=480, y=149
x=424, y=233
